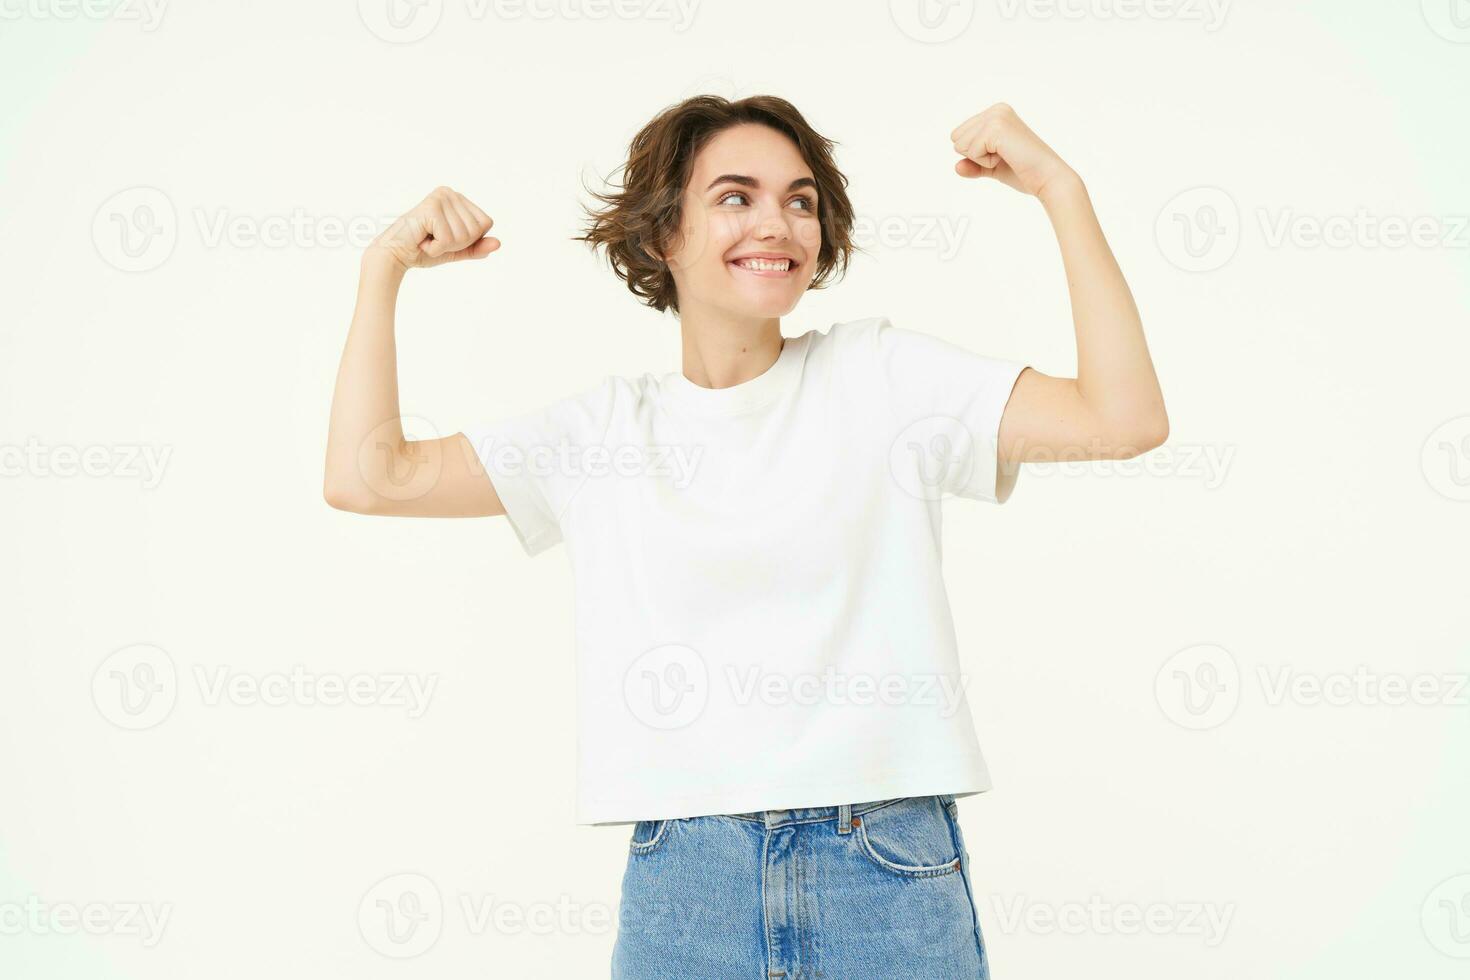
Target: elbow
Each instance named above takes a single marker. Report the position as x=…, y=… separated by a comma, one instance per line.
x=341, y=497
x=1143, y=437
x=1123, y=431
x=335, y=498
x=1139, y=438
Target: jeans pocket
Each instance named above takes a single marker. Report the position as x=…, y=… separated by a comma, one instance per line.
x=912, y=837
x=648, y=835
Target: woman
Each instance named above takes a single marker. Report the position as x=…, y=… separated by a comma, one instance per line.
x=767, y=679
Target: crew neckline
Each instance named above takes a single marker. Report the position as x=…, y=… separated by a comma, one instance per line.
x=764, y=387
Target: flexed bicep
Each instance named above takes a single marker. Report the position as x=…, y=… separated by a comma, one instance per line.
x=421, y=478
x=1047, y=419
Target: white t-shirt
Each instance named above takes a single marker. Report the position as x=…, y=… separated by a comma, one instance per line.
x=761, y=620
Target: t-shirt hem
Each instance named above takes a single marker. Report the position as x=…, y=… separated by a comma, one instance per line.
x=751, y=799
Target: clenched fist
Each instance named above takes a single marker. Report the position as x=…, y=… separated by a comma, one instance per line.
x=446, y=226
x=996, y=143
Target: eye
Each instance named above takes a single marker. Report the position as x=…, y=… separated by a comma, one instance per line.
x=807, y=200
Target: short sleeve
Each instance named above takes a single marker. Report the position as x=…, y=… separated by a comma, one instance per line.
x=947, y=403
x=535, y=460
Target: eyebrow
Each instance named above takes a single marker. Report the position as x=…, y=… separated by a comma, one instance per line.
x=751, y=182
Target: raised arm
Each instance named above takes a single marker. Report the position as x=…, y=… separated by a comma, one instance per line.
x=370, y=467
x=1114, y=408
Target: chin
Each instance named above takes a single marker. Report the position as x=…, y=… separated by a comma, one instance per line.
x=769, y=306
x=771, y=302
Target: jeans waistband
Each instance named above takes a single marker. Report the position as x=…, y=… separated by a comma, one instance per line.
x=815, y=814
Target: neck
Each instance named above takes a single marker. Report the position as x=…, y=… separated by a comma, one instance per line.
x=723, y=349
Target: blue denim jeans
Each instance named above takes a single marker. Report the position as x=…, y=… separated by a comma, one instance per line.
x=859, y=891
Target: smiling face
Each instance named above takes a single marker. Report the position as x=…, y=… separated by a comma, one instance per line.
x=750, y=233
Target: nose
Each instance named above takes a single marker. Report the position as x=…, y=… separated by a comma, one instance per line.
x=771, y=224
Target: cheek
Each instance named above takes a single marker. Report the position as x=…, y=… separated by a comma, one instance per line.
x=726, y=229
x=715, y=234
x=809, y=234
x=708, y=236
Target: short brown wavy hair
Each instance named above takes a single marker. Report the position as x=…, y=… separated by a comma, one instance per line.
x=648, y=211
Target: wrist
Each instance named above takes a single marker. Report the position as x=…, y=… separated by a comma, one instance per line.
x=1062, y=188
x=381, y=263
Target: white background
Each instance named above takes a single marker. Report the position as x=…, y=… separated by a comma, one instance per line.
x=1306, y=521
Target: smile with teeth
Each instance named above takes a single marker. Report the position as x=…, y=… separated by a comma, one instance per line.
x=769, y=267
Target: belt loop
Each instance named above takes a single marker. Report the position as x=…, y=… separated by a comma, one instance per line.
x=844, y=818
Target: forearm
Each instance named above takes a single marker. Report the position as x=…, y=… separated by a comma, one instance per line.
x=365, y=400
x=1115, y=375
